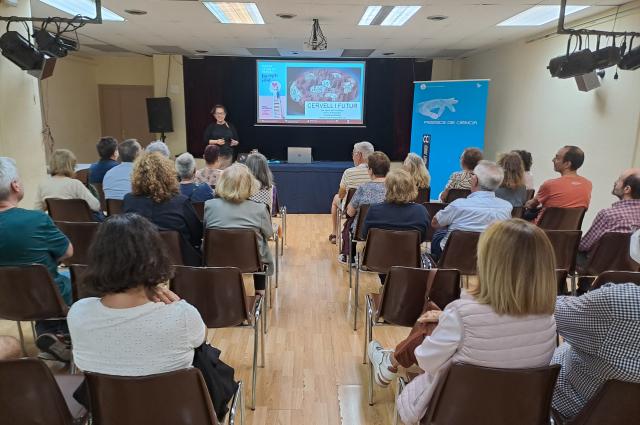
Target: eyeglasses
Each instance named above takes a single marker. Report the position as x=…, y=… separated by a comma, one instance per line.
x=219, y=113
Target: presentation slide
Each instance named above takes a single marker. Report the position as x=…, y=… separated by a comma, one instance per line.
x=310, y=92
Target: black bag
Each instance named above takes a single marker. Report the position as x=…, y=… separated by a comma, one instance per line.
x=218, y=376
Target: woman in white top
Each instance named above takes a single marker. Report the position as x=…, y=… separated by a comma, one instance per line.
x=527, y=161
x=506, y=322
x=259, y=167
x=61, y=183
x=135, y=327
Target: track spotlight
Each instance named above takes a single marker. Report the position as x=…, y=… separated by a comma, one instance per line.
x=577, y=63
x=631, y=60
x=52, y=44
x=606, y=57
x=18, y=50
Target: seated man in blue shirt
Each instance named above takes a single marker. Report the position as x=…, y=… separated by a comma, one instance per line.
x=474, y=213
x=117, y=181
x=28, y=237
x=108, y=151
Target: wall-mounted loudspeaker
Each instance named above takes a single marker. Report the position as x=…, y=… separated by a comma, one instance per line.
x=588, y=82
x=159, y=115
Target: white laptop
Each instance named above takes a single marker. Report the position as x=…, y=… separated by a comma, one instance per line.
x=299, y=155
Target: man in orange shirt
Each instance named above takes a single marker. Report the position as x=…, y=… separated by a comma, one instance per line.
x=567, y=191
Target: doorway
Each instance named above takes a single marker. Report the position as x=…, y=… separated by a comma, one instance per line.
x=123, y=112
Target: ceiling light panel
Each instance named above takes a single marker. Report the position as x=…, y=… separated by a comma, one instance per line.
x=83, y=7
x=539, y=15
x=395, y=16
x=235, y=13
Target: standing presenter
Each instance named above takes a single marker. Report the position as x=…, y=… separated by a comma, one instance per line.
x=220, y=132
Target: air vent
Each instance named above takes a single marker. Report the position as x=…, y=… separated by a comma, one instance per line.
x=263, y=51
x=171, y=50
x=109, y=48
x=357, y=53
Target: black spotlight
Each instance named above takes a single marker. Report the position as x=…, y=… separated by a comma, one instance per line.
x=631, y=60
x=54, y=45
x=577, y=63
x=18, y=50
x=606, y=57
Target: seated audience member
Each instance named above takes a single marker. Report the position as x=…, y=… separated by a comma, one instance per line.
x=371, y=192
x=232, y=209
x=186, y=169
x=600, y=331
x=9, y=348
x=156, y=196
x=567, y=191
x=30, y=237
x=462, y=179
x=257, y=164
x=474, y=213
x=512, y=189
x=527, y=161
x=225, y=159
x=505, y=322
x=351, y=179
x=117, y=181
x=160, y=147
x=61, y=184
x=211, y=171
x=108, y=151
x=415, y=166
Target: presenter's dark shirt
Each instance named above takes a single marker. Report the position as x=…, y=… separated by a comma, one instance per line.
x=97, y=170
x=221, y=131
x=390, y=216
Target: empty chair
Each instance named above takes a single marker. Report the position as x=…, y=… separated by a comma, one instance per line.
x=218, y=294
x=611, y=252
x=424, y=195
x=69, y=210
x=565, y=246
x=114, y=206
x=562, y=218
x=454, y=194
x=172, y=241
x=460, y=252
x=432, y=210
x=616, y=277
x=30, y=394
x=80, y=235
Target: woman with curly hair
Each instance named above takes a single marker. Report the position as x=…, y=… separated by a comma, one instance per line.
x=155, y=194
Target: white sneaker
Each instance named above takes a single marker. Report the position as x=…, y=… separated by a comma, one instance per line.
x=381, y=361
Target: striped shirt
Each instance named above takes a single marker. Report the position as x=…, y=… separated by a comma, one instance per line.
x=355, y=176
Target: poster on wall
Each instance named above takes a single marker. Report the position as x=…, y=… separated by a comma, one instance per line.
x=448, y=116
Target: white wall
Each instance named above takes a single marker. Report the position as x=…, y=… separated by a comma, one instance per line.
x=528, y=109
x=169, y=82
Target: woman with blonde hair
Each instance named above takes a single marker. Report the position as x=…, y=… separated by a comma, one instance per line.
x=513, y=188
x=505, y=322
x=155, y=195
x=61, y=184
x=232, y=209
x=415, y=166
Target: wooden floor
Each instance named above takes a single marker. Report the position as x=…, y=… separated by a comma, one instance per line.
x=314, y=372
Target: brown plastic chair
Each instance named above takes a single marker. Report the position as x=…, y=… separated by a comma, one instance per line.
x=615, y=403
x=454, y=194
x=562, y=218
x=492, y=396
x=100, y=190
x=30, y=394
x=530, y=194
x=461, y=252
x=611, y=252
x=424, y=195
x=218, y=294
x=82, y=175
x=114, y=206
x=404, y=296
x=383, y=250
x=27, y=294
x=432, y=210
x=357, y=236
x=81, y=236
x=199, y=207
x=79, y=289
x=179, y=397
x=342, y=213
x=69, y=210
x=561, y=280
x=171, y=239
x=616, y=277
x=517, y=212
x=565, y=247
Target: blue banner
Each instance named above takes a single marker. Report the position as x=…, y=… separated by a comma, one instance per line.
x=448, y=116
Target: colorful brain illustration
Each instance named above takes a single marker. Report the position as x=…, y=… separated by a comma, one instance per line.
x=329, y=85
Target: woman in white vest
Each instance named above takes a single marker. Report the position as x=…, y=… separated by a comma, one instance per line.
x=506, y=322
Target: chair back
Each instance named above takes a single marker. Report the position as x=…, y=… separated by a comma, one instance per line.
x=616, y=277
x=530, y=194
x=403, y=295
x=29, y=394
x=445, y=287
x=98, y=187
x=565, y=247
x=178, y=397
x=79, y=289
x=362, y=215
x=217, y=292
x=349, y=195
x=517, y=212
x=611, y=252
x=432, y=210
x=232, y=248
x=69, y=210
x=199, y=207
x=488, y=396
x=562, y=218
x=81, y=236
x=387, y=248
x=561, y=281
x=615, y=403
x=114, y=206
x=424, y=195
x=454, y=194
x=172, y=241
x=82, y=175
x=29, y=293
x=461, y=252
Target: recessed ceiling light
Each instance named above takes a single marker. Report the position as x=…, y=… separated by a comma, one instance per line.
x=84, y=8
x=202, y=51
x=235, y=13
x=437, y=17
x=388, y=53
x=286, y=15
x=135, y=11
x=388, y=15
x=539, y=15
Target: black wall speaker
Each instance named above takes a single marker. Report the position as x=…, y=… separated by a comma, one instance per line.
x=159, y=115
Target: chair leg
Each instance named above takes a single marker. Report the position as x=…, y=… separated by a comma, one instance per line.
x=574, y=285
x=24, y=349
x=256, y=331
x=33, y=331
x=370, y=389
x=349, y=260
x=264, y=331
x=367, y=319
x=277, y=260
x=396, y=416
x=242, y=407
x=284, y=225
x=355, y=298
x=269, y=290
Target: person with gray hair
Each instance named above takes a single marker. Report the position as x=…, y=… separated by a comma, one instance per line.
x=186, y=169
x=30, y=237
x=475, y=212
x=117, y=181
x=352, y=178
x=257, y=164
x=158, y=146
